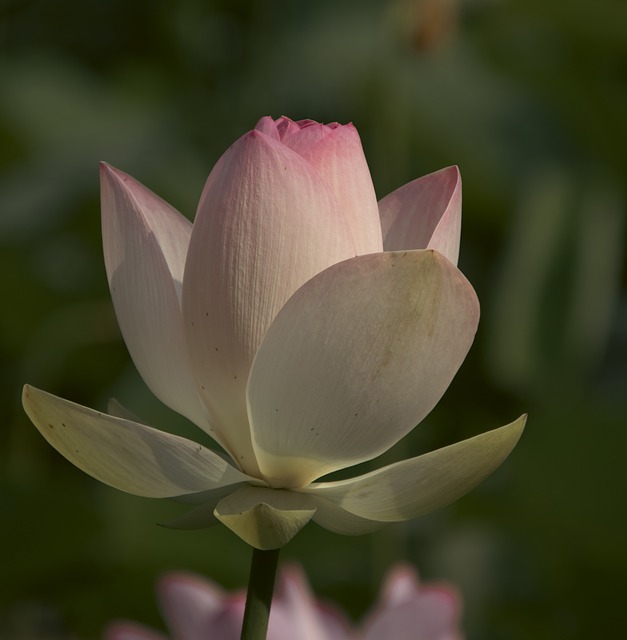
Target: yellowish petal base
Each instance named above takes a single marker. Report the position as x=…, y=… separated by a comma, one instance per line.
x=265, y=518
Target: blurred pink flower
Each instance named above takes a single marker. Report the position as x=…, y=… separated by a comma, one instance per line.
x=197, y=609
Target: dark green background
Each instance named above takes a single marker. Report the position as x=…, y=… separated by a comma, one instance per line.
x=528, y=97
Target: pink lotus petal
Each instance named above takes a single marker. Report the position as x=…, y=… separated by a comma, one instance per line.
x=122, y=630
x=196, y=609
x=145, y=245
x=407, y=611
x=336, y=153
x=425, y=213
x=266, y=224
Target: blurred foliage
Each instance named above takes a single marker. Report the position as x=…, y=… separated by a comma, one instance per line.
x=528, y=97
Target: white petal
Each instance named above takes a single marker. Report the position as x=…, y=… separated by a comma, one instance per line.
x=425, y=213
x=265, y=518
x=356, y=358
x=124, y=454
x=411, y=488
x=266, y=223
x=145, y=244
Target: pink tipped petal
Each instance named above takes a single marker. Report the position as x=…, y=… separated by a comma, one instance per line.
x=266, y=224
x=295, y=608
x=400, y=586
x=126, y=455
x=145, y=243
x=337, y=154
x=414, y=487
x=356, y=358
x=123, y=630
x=430, y=614
x=191, y=605
x=268, y=126
x=408, y=610
x=425, y=213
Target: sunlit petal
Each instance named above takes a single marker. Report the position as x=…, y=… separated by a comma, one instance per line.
x=411, y=488
x=145, y=243
x=124, y=454
x=425, y=213
x=357, y=357
x=266, y=223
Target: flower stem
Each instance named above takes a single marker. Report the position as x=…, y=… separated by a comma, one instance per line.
x=259, y=595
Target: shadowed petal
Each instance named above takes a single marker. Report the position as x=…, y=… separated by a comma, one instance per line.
x=335, y=518
x=266, y=223
x=145, y=243
x=265, y=518
x=425, y=213
x=411, y=488
x=124, y=454
x=357, y=357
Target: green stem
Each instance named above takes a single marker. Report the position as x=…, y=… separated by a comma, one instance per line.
x=259, y=596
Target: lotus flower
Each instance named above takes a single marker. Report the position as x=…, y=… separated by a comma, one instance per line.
x=196, y=609
x=302, y=325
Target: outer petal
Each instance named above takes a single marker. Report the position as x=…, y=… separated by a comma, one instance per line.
x=266, y=223
x=145, y=243
x=425, y=213
x=336, y=152
x=411, y=488
x=124, y=454
x=357, y=357
x=265, y=518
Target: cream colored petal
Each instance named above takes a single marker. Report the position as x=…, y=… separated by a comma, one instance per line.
x=411, y=488
x=124, y=454
x=265, y=518
x=356, y=358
